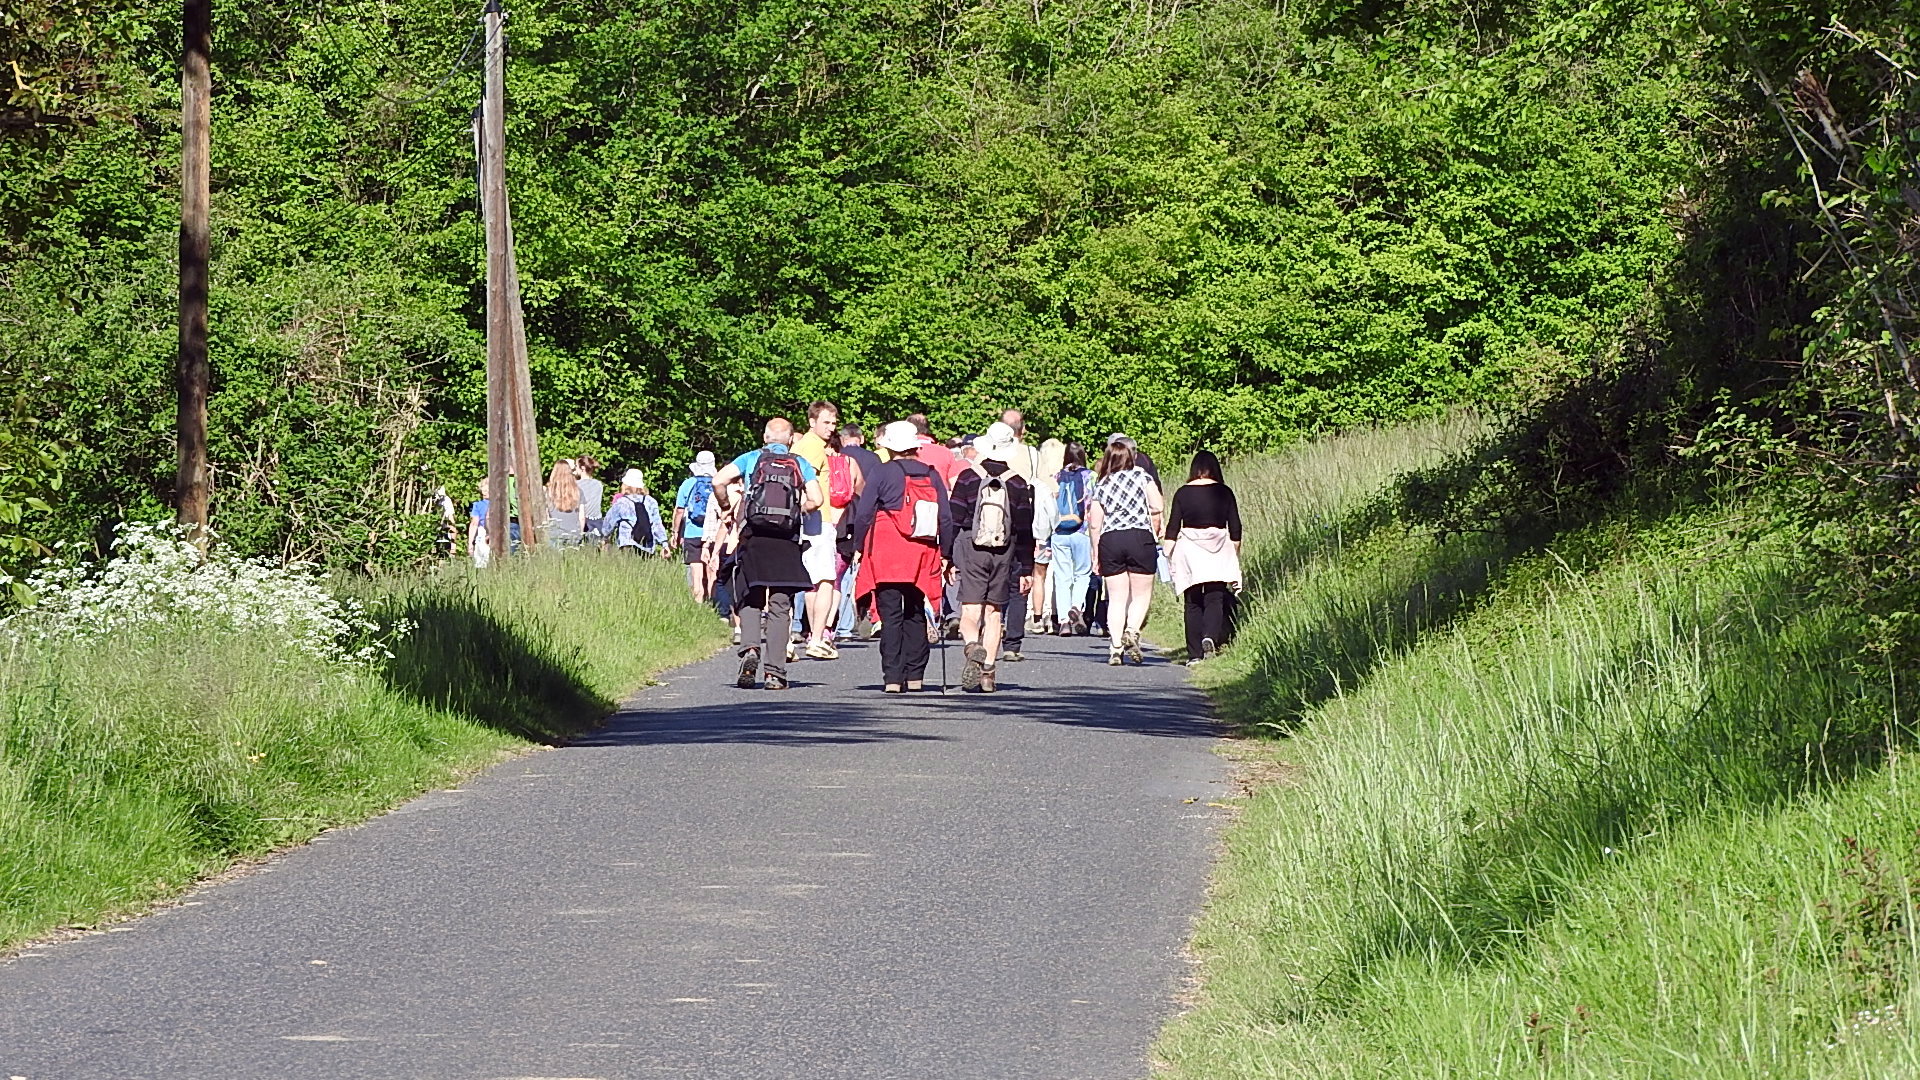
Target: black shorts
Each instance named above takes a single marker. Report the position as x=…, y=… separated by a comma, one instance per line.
x=690, y=550
x=1128, y=551
x=986, y=575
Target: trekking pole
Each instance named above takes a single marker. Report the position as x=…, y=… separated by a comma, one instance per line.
x=943, y=663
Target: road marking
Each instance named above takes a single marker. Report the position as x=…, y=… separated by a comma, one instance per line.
x=326, y=1038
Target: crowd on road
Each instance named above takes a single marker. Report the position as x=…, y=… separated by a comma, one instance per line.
x=816, y=538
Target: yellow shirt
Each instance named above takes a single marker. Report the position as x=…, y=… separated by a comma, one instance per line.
x=814, y=449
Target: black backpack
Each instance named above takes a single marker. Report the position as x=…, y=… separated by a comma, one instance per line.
x=775, y=495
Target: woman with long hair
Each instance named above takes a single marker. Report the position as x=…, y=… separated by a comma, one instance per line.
x=1072, y=566
x=1203, y=550
x=569, y=520
x=1123, y=516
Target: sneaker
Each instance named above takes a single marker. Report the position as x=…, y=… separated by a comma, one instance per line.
x=873, y=631
x=1193, y=663
x=951, y=629
x=736, y=635
x=1011, y=656
x=914, y=686
x=891, y=688
x=1208, y=650
x=1113, y=657
x=776, y=682
x=749, y=669
x=987, y=685
x=1076, y=623
x=822, y=650
x=1130, y=644
x=970, y=671
x=793, y=652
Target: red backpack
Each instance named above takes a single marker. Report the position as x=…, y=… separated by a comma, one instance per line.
x=918, y=516
x=839, y=480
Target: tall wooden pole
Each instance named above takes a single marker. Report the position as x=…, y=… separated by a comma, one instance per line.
x=191, y=373
x=512, y=439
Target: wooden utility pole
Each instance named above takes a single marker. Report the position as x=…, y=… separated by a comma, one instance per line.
x=513, y=443
x=190, y=483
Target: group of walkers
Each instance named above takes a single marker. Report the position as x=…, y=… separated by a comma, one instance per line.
x=815, y=538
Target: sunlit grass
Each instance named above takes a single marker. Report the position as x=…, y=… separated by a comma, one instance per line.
x=134, y=765
x=1572, y=810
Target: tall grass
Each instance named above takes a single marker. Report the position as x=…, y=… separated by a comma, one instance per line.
x=132, y=765
x=1618, y=806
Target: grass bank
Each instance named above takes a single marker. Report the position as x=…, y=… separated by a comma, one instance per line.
x=1616, y=803
x=134, y=764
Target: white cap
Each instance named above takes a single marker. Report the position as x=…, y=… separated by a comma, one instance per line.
x=702, y=463
x=900, y=437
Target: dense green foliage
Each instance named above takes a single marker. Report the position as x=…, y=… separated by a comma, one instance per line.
x=133, y=765
x=1616, y=801
x=1216, y=222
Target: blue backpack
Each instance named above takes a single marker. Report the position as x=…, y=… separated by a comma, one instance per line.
x=697, y=499
x=1071, y=502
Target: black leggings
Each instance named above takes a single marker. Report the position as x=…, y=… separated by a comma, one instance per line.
x=1209, y=614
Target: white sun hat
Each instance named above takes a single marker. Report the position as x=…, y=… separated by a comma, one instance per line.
x=901, y=437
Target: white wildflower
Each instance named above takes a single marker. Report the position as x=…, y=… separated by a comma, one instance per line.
x=156, y=578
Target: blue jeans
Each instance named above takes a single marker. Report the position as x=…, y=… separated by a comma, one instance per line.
x=849, y=614
x=1072, y=572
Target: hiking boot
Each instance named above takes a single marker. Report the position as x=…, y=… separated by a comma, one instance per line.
x=749, y=669
x=1113, y=657
x=1011, y=656
x=1208, y=650
x=951, y=629
x=776, y=682
x=1130, y=644
x=986, y=679
x=970, y=671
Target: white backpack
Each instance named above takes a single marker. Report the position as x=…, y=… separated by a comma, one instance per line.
x=991, y=520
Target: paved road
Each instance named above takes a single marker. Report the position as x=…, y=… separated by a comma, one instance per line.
x=826, y=883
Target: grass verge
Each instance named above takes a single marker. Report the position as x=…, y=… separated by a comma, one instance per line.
x=132, y=766
x=1618, y=803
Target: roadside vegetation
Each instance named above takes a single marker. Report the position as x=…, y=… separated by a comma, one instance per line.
x=1631, y=797
x=172, y=718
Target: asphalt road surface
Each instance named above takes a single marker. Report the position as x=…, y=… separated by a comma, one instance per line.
x=824, y=883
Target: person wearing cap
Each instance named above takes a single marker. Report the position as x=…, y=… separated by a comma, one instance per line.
x=691, y=506
x=633, y=521
x=1024, y=460
x=899, y=541
x=987, y=559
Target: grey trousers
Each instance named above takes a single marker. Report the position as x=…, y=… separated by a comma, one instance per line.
x=766, y=616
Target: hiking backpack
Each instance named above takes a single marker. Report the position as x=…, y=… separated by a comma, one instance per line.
x=920, y=509
x=839, y=480
x=697, y=499
x=1071, y=501
x=990, y=515
x=775, y=495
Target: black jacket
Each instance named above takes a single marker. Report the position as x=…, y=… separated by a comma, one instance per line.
x=966, y=494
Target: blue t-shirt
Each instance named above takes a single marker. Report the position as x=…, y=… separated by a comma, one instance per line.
x=684, y=501
x=745, y=463
x=479, y=512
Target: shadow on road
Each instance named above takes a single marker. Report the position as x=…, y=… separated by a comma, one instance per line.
x=1067, y=687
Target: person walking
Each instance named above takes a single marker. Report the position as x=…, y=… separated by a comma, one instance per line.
x=1123, y=515
x=989, y=550
x=853, y=601
x=567, y=520
x=593, y=495
x=1024, y=462
x=692, y=506
x=780, y=489
x=1072, y=565
x=820, y=537
x=1203, y=549
x=1051, y=458
x=633, y=521
x=898, y=525
x=479, y=545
